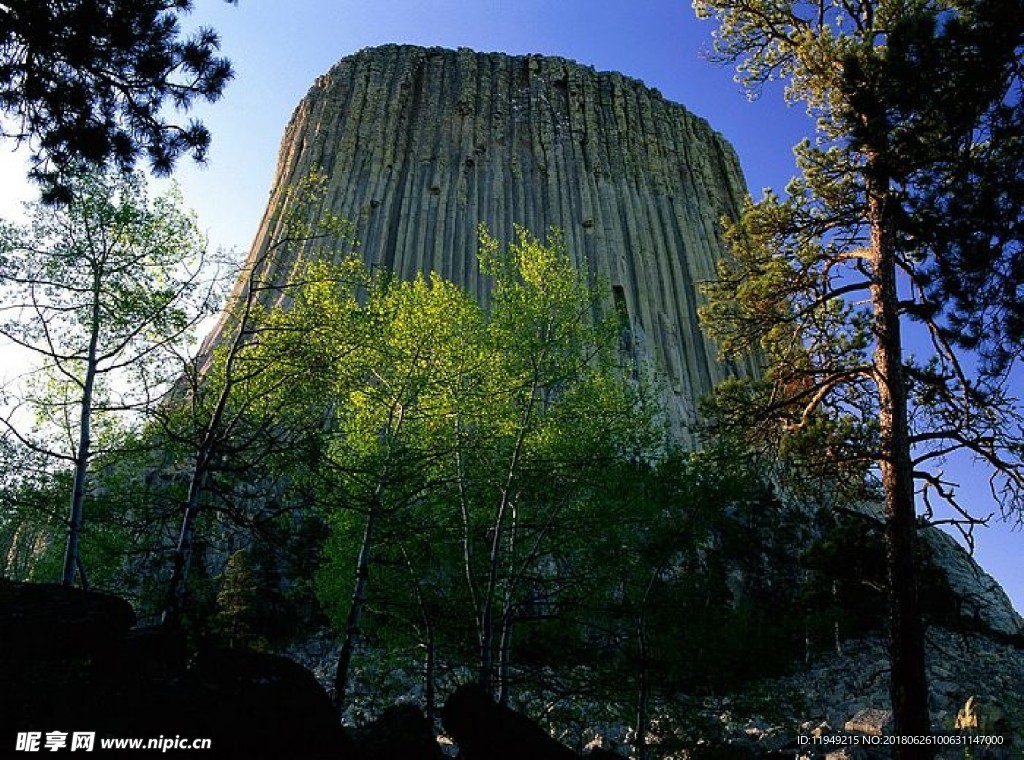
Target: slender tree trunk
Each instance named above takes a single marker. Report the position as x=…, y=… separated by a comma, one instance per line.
x=71, y=552
x=643, y=688
x=353, y=623
x=174, y=602
x=429, y=670
x=467, y=545
x=507, y=610
x=429, y=644
x=908, y=689
x=83, y=578
x=505, y=653
x=487, y=674
x=643, y=701
x=486, y=677
x=205, y=453
x=835, y=623
x=72, y=560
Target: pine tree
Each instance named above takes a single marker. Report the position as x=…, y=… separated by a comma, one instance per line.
x=906, y=222
x=86, y=82
x=238, y=602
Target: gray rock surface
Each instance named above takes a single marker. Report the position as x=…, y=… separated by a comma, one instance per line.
x=981, y=598
x=870, y=721
x=422, y=145
x=983, y=604
x=852, y=691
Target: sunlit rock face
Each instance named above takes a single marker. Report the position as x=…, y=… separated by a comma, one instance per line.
x=422, y=145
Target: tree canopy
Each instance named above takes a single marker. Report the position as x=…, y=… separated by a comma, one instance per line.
x=87, y=82
x=482, y=427
x=99, y=292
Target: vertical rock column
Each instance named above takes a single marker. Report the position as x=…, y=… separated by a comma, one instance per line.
x=421, y=145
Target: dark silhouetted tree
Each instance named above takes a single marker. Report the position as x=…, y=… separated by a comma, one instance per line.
x=87, y=81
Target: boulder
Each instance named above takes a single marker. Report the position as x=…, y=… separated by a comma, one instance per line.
x=51, y=640
x=870, y=721
x=69, y=663
x=485, y=730
x=983, y=603
x=44, y=620
x=262, y=705
x=401, y=732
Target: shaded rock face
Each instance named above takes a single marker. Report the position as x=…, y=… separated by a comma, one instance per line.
x=423, y=145
x=41, y=619
x=971, y=598
x=982, y=601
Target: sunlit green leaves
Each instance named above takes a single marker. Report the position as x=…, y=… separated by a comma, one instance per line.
x=100, y=291
x=113, y=264
x=451, y=423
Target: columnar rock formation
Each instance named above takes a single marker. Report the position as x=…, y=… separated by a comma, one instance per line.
x=423, y=145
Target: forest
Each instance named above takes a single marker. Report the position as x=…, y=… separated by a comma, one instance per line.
x=459, y=491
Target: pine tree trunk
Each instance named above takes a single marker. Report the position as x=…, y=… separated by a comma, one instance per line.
x=908, y=689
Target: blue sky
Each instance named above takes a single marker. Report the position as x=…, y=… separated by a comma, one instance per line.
x=279, y=47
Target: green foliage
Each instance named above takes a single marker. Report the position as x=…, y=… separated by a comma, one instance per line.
x=238, y=603
x=31, y=518
x=492, y=468
x=101, y=291
x=462, y=443
x=128, y=512
x=113, y=263
x=228, y=418
x=619, y=566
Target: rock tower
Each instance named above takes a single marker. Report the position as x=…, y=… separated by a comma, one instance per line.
x=421, y=145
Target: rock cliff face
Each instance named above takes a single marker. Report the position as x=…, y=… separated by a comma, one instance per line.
x=423, y=145
x=982, y=600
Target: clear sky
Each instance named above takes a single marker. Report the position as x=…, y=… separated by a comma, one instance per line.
x=278, y=48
